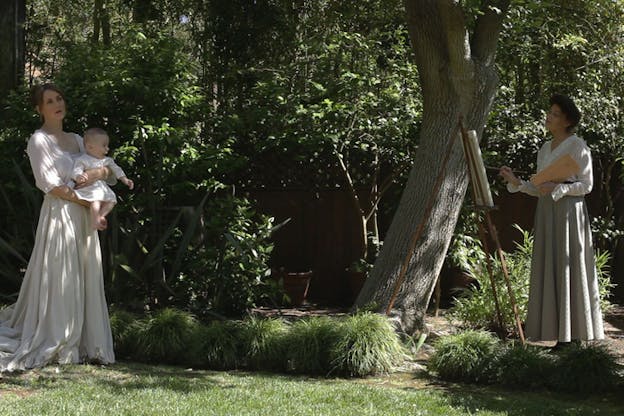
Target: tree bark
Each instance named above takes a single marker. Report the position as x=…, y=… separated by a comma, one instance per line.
x=11, y=44
x=457, y=77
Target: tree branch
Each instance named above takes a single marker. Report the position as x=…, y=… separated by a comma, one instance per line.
x=487, y=30
x=457, y=39
x=376, y=197
x=350, y=185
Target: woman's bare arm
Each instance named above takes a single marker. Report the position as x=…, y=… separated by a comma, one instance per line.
x=95, y=174
x=65, y=192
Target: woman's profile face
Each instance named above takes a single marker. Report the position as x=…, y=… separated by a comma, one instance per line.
x=556, y=120
x=52, y=106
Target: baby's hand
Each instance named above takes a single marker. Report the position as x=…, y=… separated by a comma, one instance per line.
x=82, y=178
x=128, y=182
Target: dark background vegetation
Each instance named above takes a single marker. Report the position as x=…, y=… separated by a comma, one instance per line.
x=234, y=116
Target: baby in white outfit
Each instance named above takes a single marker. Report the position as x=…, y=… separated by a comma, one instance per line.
x=99, y=194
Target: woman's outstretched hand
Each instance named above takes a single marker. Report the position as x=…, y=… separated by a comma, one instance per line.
x=509, y=176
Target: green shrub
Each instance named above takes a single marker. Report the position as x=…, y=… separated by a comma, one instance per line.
x=475, y=308
x=309, y=344
x=166, y=337
x=125, y=328
x=263, y=342
x=219, y=345
x=367, y=344
x=467, y=356
x=524, y=366
x=585, y=370
x=603, y=258
x=227, y=271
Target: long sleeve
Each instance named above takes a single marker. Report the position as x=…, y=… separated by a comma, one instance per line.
x=79, y=168
x=42, y=162
x=583, y=182
x=117, y=171
x=526, y=186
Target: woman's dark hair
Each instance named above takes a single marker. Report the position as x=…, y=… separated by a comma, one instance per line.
x=568, y=108
x=36, y=93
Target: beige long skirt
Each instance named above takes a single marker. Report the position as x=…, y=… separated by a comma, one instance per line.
x=60, y=315
x=564, y=301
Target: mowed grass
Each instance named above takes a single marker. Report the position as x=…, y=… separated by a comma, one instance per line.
x=136, y=389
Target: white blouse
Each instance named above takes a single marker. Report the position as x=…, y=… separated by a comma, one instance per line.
x=580, y=184
x=51, y=165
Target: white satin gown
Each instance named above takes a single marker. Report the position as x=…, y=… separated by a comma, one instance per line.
x=61, y=314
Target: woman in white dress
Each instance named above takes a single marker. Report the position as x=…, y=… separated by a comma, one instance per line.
x=60, y=315
x=564, y=300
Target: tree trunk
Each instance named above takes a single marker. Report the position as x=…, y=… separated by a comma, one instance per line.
x=11, y=44
x=458, y=77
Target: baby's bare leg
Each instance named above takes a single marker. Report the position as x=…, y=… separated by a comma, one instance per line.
x=107, y=207
x=95, y=209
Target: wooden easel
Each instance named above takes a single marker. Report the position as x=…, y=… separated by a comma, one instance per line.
x=471, y=162
x=478, y=196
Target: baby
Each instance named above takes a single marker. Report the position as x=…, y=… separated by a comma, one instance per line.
x=99, y=194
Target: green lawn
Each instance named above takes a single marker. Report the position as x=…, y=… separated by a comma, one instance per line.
x=135, y=389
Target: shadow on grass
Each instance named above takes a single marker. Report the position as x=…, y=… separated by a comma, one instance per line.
x=136, y=376
x=474, y=398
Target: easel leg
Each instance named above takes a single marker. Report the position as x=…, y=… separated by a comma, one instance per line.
x=486, y=249
x=501, y=255
x=437, y=295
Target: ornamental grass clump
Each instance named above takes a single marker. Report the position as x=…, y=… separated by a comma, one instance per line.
x=263, y=342
x=166, y=337
x=521, y=366
x=125, y=328
x=367, y=344
x=219, y=345
x=585, y=370
x=467, y=356
x=309, y=345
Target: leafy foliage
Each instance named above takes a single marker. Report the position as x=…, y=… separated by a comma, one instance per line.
x=586, y=370
x=477, y=356
x=467, y=356
x=524, y=366
x=476, y=306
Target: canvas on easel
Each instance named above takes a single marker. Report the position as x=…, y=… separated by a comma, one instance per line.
x=476, y=168
x=483, y=202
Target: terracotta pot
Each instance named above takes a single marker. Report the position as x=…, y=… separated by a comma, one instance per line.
x=296, y=286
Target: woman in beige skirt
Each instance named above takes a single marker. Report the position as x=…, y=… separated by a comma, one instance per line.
x=564, y=300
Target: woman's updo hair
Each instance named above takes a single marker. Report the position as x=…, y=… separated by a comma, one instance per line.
x=37, y=91
x=568, y=108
